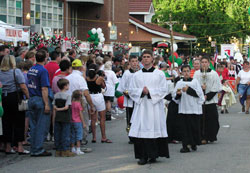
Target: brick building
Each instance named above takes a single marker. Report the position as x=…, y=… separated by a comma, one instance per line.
x=69, y=17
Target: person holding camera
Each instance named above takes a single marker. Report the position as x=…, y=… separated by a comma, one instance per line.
x=95, y=84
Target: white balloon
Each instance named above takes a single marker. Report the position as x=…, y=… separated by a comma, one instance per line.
x=175, y=47
x=100, y=46
x=102, y=39
x=93, y=30
x=100, y=35
x=99, y=30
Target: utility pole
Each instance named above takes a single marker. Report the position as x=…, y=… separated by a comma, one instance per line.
x=171, y=23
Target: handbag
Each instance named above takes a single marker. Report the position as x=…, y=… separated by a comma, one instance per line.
x=22, y=103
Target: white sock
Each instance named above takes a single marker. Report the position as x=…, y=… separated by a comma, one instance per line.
x=73, y=149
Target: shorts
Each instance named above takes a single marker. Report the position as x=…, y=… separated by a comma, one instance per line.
x=76, y=132
x=98, y=101
x=109, y=98
x=242, y=88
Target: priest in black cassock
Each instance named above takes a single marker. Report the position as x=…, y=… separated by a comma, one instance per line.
x=148, y=124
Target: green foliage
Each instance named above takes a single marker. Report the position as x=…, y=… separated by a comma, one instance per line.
x=220, y=19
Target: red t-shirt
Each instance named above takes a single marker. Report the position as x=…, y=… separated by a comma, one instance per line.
x=52, y=67
x=76, y=108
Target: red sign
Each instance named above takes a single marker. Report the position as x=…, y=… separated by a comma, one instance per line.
x=13, y=33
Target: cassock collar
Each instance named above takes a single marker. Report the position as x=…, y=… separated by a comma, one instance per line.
x=148, y=70
x=187, y=80
x=131, y=70
x=208, y=70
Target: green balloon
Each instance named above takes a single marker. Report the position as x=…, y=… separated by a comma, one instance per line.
x=89, y=39
x=90, y=33
x=92, y=37
x=97, y=39
x=170, y=58
x=249, y=10
x=96, y=43
x=179, y=61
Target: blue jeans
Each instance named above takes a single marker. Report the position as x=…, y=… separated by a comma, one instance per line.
x=39, y=123
x=62, y=136
x=76, y=132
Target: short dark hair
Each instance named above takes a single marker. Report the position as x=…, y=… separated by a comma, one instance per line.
x=185, y=66
x=61, y=83
x=40, y=56
x=223, y=81
x=147, y=51
x=71, y=52
x=3, y=47
x=25, y=65
x=132, y=57
x=44, y=49
x=246, y=62
x=65, y=65
x=54, y=55
x=205, y=57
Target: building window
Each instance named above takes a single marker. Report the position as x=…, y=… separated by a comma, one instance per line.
x=54, y=17
x=19, y=4
x=50, y=3
x=3, y=3
x=60, y=17
x=11, y=3
x=60, y=4
x=19, y=20
x=37, y=8
x=11, y=11
x=11, y=20
x=49, y=16
x=3, y=18
x=37, y=15
x=32, y=13
x=44, y=16
x=37, y=21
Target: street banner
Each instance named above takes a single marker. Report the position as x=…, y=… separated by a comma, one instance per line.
x=227, y=50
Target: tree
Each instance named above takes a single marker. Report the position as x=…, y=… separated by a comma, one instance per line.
x=220, y=19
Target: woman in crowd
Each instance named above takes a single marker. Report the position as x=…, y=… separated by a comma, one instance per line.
x=13, y=121
x=243, y=80
x=95, y=85
x=110, y=80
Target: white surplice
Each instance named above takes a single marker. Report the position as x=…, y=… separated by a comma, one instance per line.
x=187, y=103
x=149, y=117
x=212, y=81
x=124, y=85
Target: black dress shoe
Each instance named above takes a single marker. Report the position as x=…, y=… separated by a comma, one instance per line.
x=184, y=150
x=194, y=147
x=142, y=161
x=226, y=111
x=222, y=112
x=130, y=142
x=44, y=154
x=153, y=160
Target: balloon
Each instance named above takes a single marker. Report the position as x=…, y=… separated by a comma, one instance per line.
x=96, y=43
x=120, y=101
x=249, y=10
x=92, y=37
x=90, y=32
x=176, y=54
x=93, y=30
x=89, y=39
x=97, y=39
x=179, y=61
x=170, y=58
x=175, y=47
x=99, y=30
x=100, y=35
x=100, y=46
x=102, y=39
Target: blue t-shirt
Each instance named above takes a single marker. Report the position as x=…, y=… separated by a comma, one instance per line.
x=38, y=77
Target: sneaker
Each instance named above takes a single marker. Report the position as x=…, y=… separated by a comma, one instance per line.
x=86, y=150
x=79, y=152
x=68, y=154
x=44, y=154
x=185, y=150
x=73, y=150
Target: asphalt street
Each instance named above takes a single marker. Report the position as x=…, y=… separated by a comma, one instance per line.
x=230, y=154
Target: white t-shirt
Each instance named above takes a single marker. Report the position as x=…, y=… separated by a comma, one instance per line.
x=244, y=77
x=110, y=80
x=76, y=82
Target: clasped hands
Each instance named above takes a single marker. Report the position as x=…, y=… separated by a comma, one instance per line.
x=184, y=89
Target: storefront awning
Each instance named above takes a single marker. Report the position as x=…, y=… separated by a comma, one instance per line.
x=93, y=1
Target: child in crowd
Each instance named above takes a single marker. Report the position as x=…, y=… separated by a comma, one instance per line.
x=77, y=122
x=227, y=97
x=62, y=102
